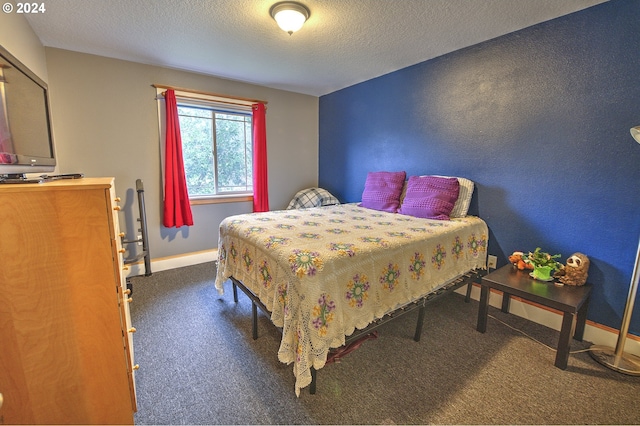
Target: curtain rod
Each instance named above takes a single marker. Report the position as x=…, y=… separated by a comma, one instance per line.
x=161, y=86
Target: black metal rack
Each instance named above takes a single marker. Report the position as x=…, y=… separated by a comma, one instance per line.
x=144, y=253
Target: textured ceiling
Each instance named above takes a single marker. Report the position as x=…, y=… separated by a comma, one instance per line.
x=344, y=42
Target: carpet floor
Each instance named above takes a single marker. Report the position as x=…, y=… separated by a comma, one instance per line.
x=199, y=365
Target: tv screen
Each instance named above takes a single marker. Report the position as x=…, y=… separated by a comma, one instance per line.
x=26, y=140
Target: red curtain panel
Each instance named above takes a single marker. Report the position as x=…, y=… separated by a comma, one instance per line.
x=177, y=210
x=260, y=184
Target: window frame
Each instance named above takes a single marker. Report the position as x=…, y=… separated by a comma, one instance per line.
x=217, y=103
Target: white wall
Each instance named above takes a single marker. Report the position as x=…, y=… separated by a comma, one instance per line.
x=19, y=39
x=106, y=124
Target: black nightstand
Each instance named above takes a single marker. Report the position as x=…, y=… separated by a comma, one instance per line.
x=572, y=301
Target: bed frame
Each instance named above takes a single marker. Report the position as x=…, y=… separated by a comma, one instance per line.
x=466, y=279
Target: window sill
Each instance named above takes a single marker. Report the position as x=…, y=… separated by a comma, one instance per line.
x=220, y=199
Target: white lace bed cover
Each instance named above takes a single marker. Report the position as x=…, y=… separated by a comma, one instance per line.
x=323, y=272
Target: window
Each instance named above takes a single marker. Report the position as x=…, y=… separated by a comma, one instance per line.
x=216, y=149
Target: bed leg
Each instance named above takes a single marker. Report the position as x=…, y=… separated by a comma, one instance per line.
x=254, y=320
x=467, y=298
x=416, y=337
x=312, y=386
x=235, y=292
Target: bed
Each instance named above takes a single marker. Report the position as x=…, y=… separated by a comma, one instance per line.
x=323, y=274
x=327, y=275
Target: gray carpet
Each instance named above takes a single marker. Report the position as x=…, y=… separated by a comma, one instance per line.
x=199, y=365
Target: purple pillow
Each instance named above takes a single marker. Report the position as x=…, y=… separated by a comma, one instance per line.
x=430, y=197
x=382, y=191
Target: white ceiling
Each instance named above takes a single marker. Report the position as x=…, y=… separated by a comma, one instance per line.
x=344, y=42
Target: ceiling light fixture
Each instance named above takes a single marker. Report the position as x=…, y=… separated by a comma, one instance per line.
x=290, y=15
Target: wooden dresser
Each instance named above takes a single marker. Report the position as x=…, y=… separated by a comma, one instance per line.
x=66, y=348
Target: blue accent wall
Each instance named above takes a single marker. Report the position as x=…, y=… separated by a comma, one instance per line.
x=539, y=119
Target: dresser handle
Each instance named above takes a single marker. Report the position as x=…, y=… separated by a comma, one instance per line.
x=135, y=367
x=122, y=250
x=121, y=235
x=130, y=299
x=132, y=330
x=127, y=291
x=117, y=199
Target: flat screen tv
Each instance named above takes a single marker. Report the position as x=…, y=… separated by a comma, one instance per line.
x=26, y=138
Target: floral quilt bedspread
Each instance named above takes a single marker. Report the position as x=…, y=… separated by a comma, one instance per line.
x=323, y=272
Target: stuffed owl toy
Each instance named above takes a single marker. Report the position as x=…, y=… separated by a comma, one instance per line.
x=575, y=271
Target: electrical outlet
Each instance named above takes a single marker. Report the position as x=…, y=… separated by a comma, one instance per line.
x=492, y=262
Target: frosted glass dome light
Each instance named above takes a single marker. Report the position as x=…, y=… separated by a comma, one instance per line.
x=289, y=15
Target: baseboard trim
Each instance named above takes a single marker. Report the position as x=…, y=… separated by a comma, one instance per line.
x=596, y=333
x=173, y=262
